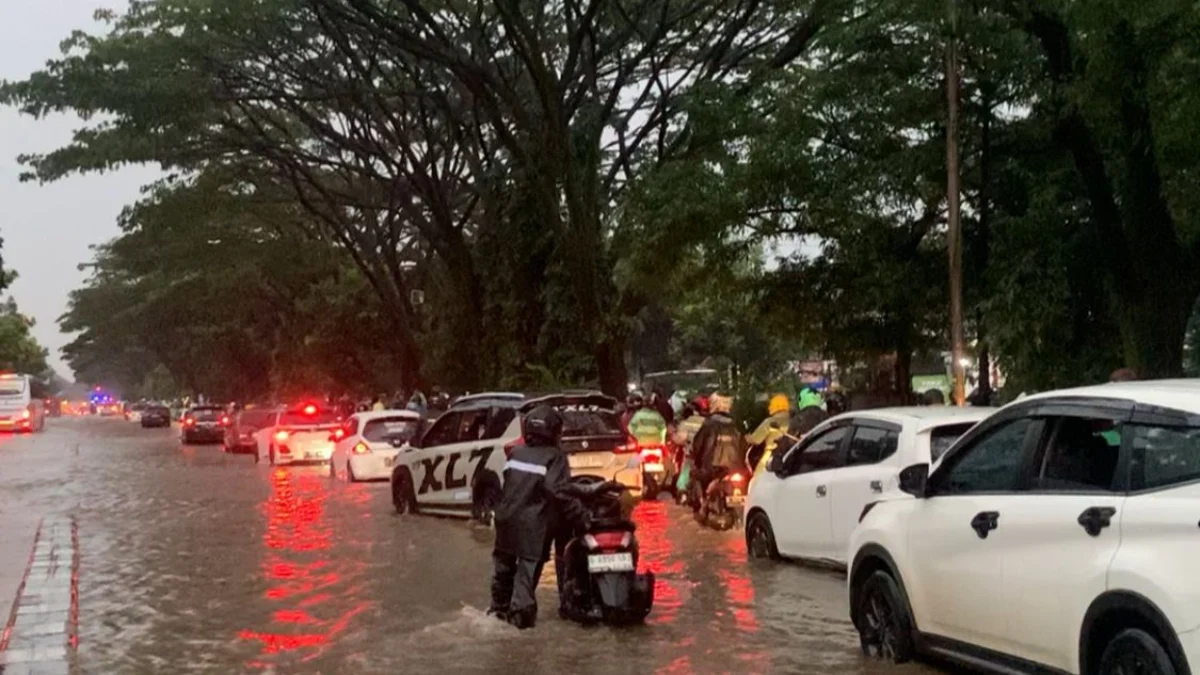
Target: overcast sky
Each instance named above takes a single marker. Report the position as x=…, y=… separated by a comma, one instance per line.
x=47, y=229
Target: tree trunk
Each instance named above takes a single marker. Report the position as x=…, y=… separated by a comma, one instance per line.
x=610, y=367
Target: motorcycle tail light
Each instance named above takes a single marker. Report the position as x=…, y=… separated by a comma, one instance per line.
x=512, y=445
x=607, y=540
x=652, y=454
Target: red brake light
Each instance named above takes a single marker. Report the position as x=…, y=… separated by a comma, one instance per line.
x=361, y=448
x=652, y=454
x=189, y=421
x=737, y=478
x=310, y=409
x=607, y=540
x=281, y=436
x=26, y=413
x=339, y=434
x=511, y=445
x=224, y=420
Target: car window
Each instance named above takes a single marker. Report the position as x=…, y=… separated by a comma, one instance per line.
x=1163, y=456
x=941, y=438
x=472, y=425
x=819, y=453
x=256, y=419
x=992, y=463
x=499, y=421
x=206, y=414
x=578, y=423
x=871, y=445
x=443, y=432
x=388, y=429
x=1078, y=453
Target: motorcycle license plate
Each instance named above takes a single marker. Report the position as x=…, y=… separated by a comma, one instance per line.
x=610, y=562
x=653, y=467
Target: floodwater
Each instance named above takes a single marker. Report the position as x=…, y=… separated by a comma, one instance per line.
x=194, y=561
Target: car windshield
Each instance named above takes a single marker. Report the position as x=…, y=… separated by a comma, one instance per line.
x=206, y=414
x=941, y=438
x=579, y=422
x=389, y=428
x=12, y=386
x=158, y=410
x=299, y=418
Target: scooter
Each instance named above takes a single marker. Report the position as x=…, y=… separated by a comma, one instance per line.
x=658, y=470
x=721, y=505
x=601, y=583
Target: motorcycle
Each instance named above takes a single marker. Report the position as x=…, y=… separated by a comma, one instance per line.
x=600, y=579
x=658, y=470
x=721, y=505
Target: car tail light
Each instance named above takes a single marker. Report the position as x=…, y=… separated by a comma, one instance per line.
x=224, y=420
x=512, y=445
x=26, y=413
x=361, y=448
x=631, y=445
x=737, y=478
x=339, y=434
x=281, y=436
x=607, y=540
x=310, y=409
x=189, y=421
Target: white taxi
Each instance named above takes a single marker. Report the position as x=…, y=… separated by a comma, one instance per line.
x=366, y=445
x=456, y=467
x=301, y=434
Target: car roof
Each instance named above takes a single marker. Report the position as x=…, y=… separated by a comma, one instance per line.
x=376, y=414
x=1179, y=394
x=572, y=398
x=923, y=417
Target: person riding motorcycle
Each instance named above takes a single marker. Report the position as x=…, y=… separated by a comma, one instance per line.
x=762, y=440
x=717, y=447
x=693, y=418
x=538, y=502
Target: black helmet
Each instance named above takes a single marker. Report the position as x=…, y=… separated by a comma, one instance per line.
x=635, y=400
x=542, y=426
x=836, y=403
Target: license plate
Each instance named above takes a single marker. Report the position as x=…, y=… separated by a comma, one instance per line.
x=586, y=462
x=655, y=467
x=610, y=562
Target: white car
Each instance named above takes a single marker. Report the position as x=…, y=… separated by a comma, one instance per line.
x=808, y=500
x=456, y=468
x=301, y=433
x=367, y=443
x=1059, y=535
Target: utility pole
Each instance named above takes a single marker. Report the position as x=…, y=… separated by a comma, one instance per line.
x=953, y=215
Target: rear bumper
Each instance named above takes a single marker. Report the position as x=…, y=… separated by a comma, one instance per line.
x=207, y=435
x=302, y=457
x=371, y=467
x=15, y=424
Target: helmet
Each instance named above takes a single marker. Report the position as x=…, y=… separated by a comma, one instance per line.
x=719, y=403
x=635, y=399
x=542, y=426
x=836, y=403
x=808, y=398
x=779, y=403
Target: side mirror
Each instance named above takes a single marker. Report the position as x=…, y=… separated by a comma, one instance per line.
x=913, y=480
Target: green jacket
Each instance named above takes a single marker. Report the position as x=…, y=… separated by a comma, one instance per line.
x=770, y=429
x=648, y=427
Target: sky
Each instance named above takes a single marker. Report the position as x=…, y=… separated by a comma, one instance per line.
x=47, y=229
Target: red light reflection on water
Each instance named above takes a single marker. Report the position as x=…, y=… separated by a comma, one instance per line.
x=303, y=577
x=658, y=555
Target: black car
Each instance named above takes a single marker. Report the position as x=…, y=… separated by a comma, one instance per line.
x=204, y=424
x=156, y=416
x=239, y=435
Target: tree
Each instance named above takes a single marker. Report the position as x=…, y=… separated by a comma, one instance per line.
x=19, y=350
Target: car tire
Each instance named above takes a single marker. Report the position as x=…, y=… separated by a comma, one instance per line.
x=1135, y=652
x=883, y=619
x=403, y=498
x=760, y=538
x=332, y=470
x=349, y=472
x=271, y=455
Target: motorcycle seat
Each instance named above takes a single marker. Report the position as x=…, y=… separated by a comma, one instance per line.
x=610, y=524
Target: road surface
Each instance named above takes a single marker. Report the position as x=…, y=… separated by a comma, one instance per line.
x=162, y=558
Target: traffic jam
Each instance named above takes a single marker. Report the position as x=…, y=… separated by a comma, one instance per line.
x=1044, y=536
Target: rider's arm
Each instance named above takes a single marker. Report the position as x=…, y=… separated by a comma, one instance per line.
x=563, y=491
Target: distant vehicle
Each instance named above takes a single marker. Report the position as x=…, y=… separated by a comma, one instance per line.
x=133, y=412
x=456, y=467
x=1057, y=536
x=155, y=416
x=301, y=434
x=810, y=497
x=19, y=411
x=204, y=424
x=240, y=435
x=366, y=444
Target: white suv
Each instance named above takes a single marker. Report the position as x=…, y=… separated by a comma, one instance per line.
x=1058, y=535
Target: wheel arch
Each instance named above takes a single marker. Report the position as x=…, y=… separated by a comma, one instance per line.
x=1117, y=610
x=873, y=558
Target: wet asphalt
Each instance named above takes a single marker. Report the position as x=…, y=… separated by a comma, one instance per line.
x=195, y=561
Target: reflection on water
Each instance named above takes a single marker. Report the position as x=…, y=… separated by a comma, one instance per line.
x=302, y=577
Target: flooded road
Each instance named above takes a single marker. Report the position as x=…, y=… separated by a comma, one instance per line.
x=194, y=561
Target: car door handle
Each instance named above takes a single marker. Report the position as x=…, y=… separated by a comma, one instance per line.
x=984, y=522
x=876, y=486
x=1096, y=518
x=821, y=490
